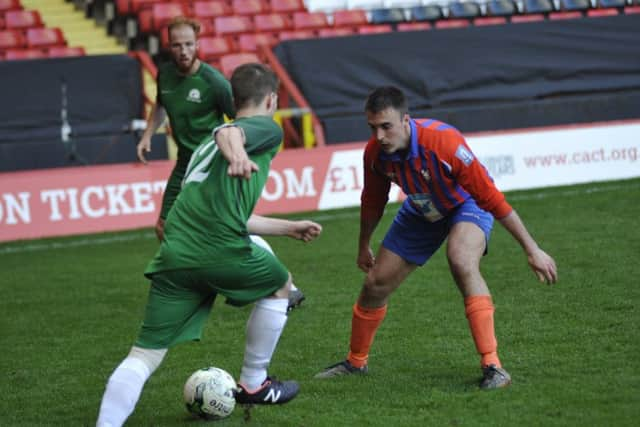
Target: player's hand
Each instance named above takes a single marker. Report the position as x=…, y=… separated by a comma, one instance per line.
x=544, y=266
x=365, y=260
x=144, y=146
x=305, y=230
x=242, y=168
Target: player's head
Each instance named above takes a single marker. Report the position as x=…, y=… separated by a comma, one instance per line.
x=255, y=86
x=388, y=118
x=183, y=42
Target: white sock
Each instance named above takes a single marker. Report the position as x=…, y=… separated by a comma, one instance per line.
x=265, y=245
x=125, y=385
x=264, y=328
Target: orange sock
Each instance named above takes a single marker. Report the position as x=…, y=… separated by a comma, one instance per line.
x=479, y=310
x=364, y=324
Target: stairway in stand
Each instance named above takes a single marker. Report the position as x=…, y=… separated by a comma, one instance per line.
x=78, y=30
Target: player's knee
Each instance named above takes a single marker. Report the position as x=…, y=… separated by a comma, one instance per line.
x=376, y=287
x=150, y=357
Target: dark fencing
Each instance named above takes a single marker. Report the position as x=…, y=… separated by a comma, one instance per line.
x=476, y=78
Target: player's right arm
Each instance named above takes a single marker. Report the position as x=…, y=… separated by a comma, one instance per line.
x=375, y=195
x=231, y=139
x=157, y=116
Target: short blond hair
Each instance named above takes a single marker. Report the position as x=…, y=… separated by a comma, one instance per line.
x=180, y=21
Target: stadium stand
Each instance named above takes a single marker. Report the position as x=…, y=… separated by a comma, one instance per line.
x=207, y=10
x=427, y=13
x=249, y=7
x=22, y=19
x=504, y=8
x=349, y=18
x=6, y=5
x=395, y=15
x=272, y=23
x=464, y=10
x=250, y=42
x=230, y=62
x=310, y=20
x=65, y=51
x=45, y=38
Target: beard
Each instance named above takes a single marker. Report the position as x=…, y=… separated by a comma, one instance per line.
x=185, y=67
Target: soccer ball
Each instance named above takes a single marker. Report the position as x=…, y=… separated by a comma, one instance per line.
x=209, y=393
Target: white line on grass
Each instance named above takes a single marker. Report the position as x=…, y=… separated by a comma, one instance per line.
x=33, y=247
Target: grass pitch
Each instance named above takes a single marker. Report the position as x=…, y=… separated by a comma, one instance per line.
x=70, y=310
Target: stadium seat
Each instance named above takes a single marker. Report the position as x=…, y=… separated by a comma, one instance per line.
x=571, y=14
x=6, y=5
x=375, y=29
x=162, y=13
x=272, y=23
x=210, y=48
x=464, y=10
x=287, y=6
x=2, y=22
x=414, y=26
x=250, y=42
x=16, y=54
x=232, y=25
x=523, y=19
x=430, y=13
x=607, y=8
x=336, y=32
x=387, y=16
x=230, y=62
x=490, y=20
x=12, y=39
x=296, y=35
x=537, y=6
x=605, y=4
x=349, y=18
x=452, y=23
x=22, y=19
x=133, y=7
x=45, y=37
x=596, y=13
x=207, y=10
x=310, y=20
x=249, y=7
x=628, y=10
x=64, y=51
x=571, y=5
x=501, y=8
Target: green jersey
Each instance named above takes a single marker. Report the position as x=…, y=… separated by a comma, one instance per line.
x=208, y=222
x=195, y=104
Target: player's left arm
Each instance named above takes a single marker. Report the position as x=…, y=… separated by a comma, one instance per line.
x=302, y=230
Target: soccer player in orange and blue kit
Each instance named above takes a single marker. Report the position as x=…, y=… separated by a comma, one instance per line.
x=450, y=195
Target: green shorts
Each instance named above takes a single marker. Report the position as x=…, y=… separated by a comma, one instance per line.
x=180, y=300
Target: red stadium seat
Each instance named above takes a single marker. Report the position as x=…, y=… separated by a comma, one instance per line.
x=556, y=16
x=24, y=54
x=2, y=23
x=12, y=39
x=136, y=6
x=297, y=35
x=534, y=17
x=349, y=18
x=310, y=20
x=272, y=22
x=210, y=48
x=249, y=7
x=287, y=6
x=230, y=62
x=596, y=13
x=336, y=32
x=22, y=19
x=232, y=25
x=414, y=26
x=375, y=29
x=6, y=5
x=490, y=20
x=45, y=37
x=162, y=13
x=452, y=23
x=64, y=51
x=211, y=9
x=250, y=42
x=628, y=10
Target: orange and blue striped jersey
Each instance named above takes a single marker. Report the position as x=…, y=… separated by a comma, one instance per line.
x=437, y=172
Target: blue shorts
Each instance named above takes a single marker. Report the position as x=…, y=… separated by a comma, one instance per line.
x=415, y=239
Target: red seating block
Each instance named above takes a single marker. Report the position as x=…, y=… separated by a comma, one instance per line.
x=136, y=6
x=12, y=39
x=556, y=16
x=336, y=32
x=249, y=7
x=272, y=22
x=22, y=19
x=230, y=62
x=287, y=6
x=211, y=9
x=490, y=20
x=45, y=37
x=414, y=26
x=297, y=35
x=452, y=23
x=162, y=13
x=210, y=48
x=6, y=5
x=232, y=25
x=534, y=17
x=310, y=20
x=64, y=51
x=250, y=42
x=24, y=54
x=350, y=18
x=628, y=10
x=596, y=13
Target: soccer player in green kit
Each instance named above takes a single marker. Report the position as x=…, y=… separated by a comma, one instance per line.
x=196, y=97
x=207, y=251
